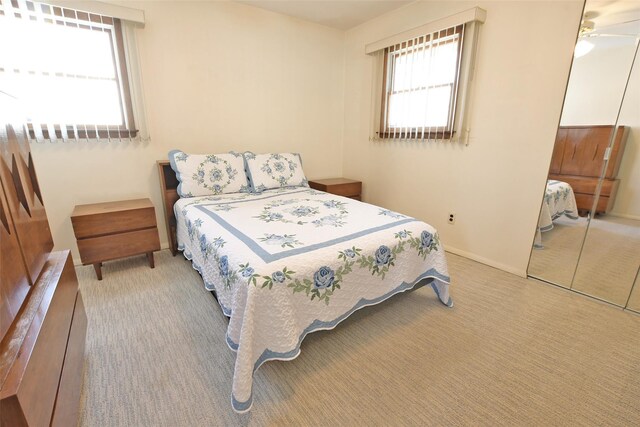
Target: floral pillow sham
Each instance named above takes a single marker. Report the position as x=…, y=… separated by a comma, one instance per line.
x=274, y=170
x=208, y=174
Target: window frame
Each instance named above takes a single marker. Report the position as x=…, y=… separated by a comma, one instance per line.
x=127, y=128
x=447, y=132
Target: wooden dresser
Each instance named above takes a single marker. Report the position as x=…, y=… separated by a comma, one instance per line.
x=42, y=317
x=339, y=186
x=111, y=230
x=578, y=159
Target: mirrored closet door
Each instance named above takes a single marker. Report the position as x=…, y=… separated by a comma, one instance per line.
x=634, y=299
x=588, y=235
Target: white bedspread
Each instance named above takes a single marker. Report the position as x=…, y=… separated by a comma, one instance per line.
x=289, y=262
x=559, y=200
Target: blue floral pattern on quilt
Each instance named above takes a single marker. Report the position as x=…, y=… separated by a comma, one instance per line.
x=291, y=261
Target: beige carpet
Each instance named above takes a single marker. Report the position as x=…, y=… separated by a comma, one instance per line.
x=609, y=261
x=511, y=352
x=556, y=261
x=634, y=299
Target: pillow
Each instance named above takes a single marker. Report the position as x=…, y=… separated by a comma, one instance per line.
x=208, y=174
x=271, y=170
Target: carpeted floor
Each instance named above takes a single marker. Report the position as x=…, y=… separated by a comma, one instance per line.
x=511, y=352
x=556, y=261
x=634, y=298
x=609, y=261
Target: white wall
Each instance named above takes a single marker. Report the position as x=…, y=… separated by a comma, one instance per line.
x=628, y=199
x=597, y=84
x=218, y=76
x=221, y=76
x=594, y=94
x=495, y=184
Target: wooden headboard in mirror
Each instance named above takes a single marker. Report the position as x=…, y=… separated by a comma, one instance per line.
x=578, y=159
x=169, y=190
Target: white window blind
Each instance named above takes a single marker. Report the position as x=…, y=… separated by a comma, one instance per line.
x=421, y=80
x=74, y=73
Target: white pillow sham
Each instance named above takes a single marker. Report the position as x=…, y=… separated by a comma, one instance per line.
x=274, y=170
x=209, y=174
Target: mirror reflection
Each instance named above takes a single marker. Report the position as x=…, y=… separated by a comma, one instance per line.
x=634, y=299
x=611, y=253
x=588, y=235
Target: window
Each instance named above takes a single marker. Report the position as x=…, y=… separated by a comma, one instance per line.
x=421, y=80
x=68, y=69
x=420, y=85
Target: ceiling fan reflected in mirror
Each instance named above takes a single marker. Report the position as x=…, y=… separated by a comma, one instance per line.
x=588, y=31
x=587, y=25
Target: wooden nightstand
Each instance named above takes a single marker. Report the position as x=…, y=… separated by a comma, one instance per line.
x=338, y=186
x=107, y=231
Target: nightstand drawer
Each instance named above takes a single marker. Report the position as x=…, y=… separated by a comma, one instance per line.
x=105, y=248
x=100, y=219
x=109, y=223
x=347, y=190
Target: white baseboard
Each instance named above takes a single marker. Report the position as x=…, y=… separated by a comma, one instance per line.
x=626, y=216
x=486, y=261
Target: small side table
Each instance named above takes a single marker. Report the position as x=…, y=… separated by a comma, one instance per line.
x=112, y=230
x=339, y=186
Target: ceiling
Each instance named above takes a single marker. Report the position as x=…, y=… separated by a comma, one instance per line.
x=616, y=22
x=615, y=16
x=337, y=14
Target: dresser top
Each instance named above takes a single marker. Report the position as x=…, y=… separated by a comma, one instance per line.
x=108, y=207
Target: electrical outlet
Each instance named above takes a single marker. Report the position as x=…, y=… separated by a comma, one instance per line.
x=452, y=218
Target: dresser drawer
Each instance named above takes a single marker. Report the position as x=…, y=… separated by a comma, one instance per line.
x=585, y=202
x=112, y=217
x=105, y=248
x=40, y=339
x=587, y=185
x=71, y=377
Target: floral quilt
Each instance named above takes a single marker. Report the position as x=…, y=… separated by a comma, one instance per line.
x=288, y=262
x=559, y=200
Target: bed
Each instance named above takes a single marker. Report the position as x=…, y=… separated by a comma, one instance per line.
x=290, y=261
x=559, y=200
